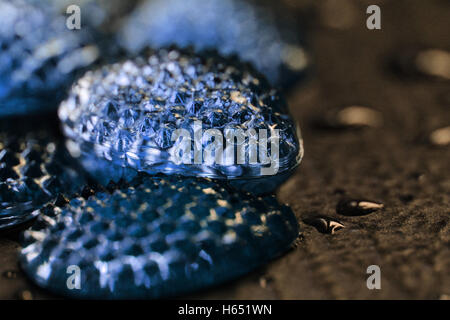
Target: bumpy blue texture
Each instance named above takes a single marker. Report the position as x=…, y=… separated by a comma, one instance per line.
x=247, y=29
x=124, y=116
x=39, y=56
x=35, y=168
x=158, y=237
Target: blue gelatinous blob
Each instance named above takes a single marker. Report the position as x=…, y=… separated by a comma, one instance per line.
x=127, y=116
x=35, y=168
x=158, y=237
x=248, y=29
x=39, y=56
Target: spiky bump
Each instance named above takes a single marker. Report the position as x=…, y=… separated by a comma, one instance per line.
x=127, y=114
x=39, y=56
x=34, y=169
x=248, y=29
x=159, y=237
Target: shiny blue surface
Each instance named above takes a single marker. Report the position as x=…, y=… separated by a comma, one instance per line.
x=125, y=115
x=158, y=237
x=34, y=169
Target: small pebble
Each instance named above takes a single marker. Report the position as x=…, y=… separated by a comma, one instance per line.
x=354, y=207
x=324, y=224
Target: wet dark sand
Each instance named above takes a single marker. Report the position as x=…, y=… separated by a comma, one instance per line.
x=394, y=164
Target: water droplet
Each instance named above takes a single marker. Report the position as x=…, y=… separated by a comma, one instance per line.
x=357, y=116
x=351, y=117
x=440, y=137
x=324, y=224
x=434, y=62
x=354, y=207
x=419, y=62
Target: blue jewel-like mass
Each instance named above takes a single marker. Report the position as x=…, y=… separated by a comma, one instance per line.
x=154, y=227
x=156, y=237
x=35, y=168
x=123, y=118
